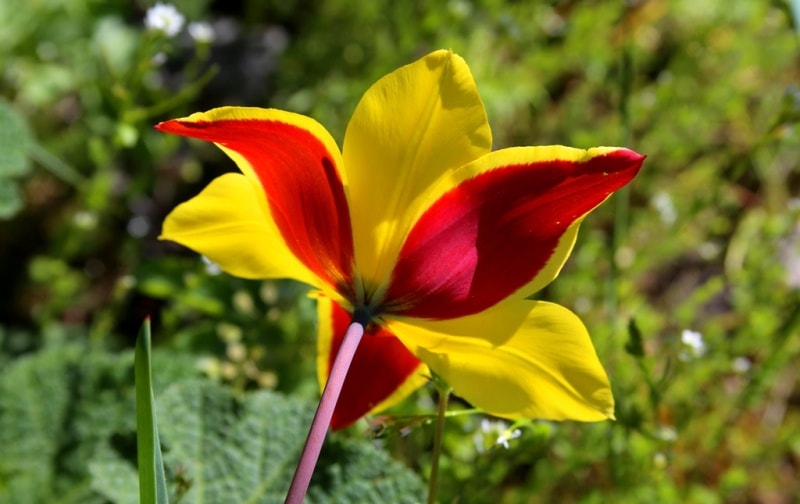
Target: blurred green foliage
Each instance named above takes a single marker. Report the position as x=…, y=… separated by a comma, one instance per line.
x=707, y=238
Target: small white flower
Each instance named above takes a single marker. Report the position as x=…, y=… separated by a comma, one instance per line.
x=499, y=430
x=662, y=202
x=693, y=340
x=212, y=268
x=666, y=433
x=202, y=33
x=503, y=438
x=741, y=365
x=164, y=18
x=159, y=58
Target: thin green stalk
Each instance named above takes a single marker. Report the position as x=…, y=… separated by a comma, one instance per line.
x=441, y=414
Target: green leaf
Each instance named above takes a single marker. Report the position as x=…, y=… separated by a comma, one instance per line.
x=152, y=483
x=67, y=422
x=114, y=477
x=231, y=450
x=634, y=346
x=57, y=409
x=68, y=435
x=10, y=199
x=15, y=141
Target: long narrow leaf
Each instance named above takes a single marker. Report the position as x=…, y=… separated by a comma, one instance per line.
x=152, y=483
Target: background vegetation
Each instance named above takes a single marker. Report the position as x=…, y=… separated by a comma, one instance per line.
x=707, y=239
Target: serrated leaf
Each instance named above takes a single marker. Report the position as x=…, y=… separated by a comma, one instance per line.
x=114, y=478
x=246, y=451
x=62, y=408
x=67, y=434
x=56, y=408
x=15, y=141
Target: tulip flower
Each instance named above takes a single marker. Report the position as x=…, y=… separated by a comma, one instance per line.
x=419, y=232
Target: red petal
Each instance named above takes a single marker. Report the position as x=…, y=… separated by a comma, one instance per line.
x=380, y=367
x=492, y=234
x=303, y=187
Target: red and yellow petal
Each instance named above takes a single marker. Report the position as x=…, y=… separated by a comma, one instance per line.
x=298, y=166
x=502, y=225
x=518, y=359
x=383, y=371
x=229, y=223
x=412, y=126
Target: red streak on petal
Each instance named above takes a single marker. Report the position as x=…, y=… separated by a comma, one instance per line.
x=381, y=364
x=303, y=188
x=492, y=234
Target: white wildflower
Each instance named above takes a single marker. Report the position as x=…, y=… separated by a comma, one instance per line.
x=666, y=433
x=202, y=33
x=693, y=340
x=503, y=438
x=492, y=433
x=663, y=204
x=741, y=365
x=164, y=18
x=212, y=268
x=159, y=58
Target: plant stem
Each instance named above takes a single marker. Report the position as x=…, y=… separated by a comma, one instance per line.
x=322, y=418
x=433, y=482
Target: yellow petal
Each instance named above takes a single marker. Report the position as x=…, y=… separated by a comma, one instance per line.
x=410, y=127
x=299, y=168
x=519, y=359
x=229, y=222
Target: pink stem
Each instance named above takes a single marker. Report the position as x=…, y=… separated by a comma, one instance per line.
x=322, y=418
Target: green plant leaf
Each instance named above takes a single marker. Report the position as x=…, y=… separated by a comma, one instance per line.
x=58, y=408
x=10, y=199
x=634, y=346
x=67, y=422
x=68, y=435
x=152, y=482
x=231, y=450
x=15, y=141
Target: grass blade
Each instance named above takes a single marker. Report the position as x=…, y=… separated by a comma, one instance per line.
x=152, y=483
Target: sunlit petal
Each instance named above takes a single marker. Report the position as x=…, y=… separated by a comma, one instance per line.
x=519, y=359
x=241, y=238
x=410, y=127
x=297, y=163
x=502, y=225
x=383, y=371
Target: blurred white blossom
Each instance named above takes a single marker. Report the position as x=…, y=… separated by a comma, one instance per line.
x=494, y=433
x=164, y=18
x=202, y=33
x=212, y=268
x=693, y=340
x=663, y=204
x=741, y=365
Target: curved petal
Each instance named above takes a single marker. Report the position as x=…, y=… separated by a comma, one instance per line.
x=241, y=238
x=297, y=163
x=519, y=359
x=410, y=127
x=502, y=225
x=383, y=371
